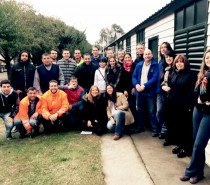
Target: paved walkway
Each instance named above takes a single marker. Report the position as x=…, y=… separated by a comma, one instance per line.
x=142, y=160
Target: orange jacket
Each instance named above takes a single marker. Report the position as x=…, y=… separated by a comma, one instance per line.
x=54, y=103
x=23, y=111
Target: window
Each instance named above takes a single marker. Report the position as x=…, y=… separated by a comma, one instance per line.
x=128, y=45
x=190, y=32
x=140, y=37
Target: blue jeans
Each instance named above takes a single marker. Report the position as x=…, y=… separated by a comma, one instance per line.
x=142, y=102
x=8, y=126
x=201, y=134
x=119, y=118
x=160, y=113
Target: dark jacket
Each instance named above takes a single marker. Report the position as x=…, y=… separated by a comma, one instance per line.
x=85, y=74
x=9, y=103
x=126, y=82
x=22, y=76
x=182, y=93
x=138, y=59
x=95, y=111
x=113, y=76
x=150, y=86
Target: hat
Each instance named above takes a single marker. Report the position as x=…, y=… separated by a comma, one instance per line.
x=103, y=59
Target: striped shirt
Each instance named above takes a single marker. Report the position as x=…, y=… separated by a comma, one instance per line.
x=68, y=68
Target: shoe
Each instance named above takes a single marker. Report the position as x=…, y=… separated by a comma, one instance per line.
x=196, y=179
x=182, y=154
x=116, y=137
x=166, y=143
x=139, y=130
x=184, y=178
x=9, y=138
x=14, y=130
x=162, y=136
x=155, y=134
x=176, y=150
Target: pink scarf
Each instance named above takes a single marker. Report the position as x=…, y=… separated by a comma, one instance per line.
x=127, y=66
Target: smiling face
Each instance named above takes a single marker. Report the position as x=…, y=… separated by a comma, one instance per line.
x=180, y=64
x=109, y=90
x=148, y=55
x=87, y=59
x=32, y=94
x=140, y=49
x=94, y=92
x=127, y=58
x=66, y=55
x=54, y=54
x=46, y=60
x=112, y=62
x=169, y=60
x=95, y=52
x=6, y=88
x=53, y=87
x=121, y=55
x=207, y=60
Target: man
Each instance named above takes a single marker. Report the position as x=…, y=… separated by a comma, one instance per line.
x=121, y=55
x=95, y=58
x=54, y=55
x=67, y=65
x=54, y=106
x=45, y=73
x=144, y=80
x=140, y=52
x=29, y=113
x=85, y=73
x=22, y=74
x=109, y=53
x=8, y=106
x=74, y=94
x=78, y=57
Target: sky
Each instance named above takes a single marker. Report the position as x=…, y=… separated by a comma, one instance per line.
x=93, y=15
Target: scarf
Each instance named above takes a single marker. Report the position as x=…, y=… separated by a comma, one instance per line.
x=127, y=66
x=204, y=82
x=165, y=81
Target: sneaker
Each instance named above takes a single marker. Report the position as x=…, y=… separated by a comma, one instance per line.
x=176, y=150
x=9, y=138
x=182, y=154
x=116, y=137
x=155, y=134
x=196, y=179
x=14, y=130
x=184, y=178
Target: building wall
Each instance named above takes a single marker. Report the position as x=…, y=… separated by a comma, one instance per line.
x=208, y=47
x=164, y=29
x=133, y=47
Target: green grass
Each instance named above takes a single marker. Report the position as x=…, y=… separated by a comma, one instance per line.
x=64, y=158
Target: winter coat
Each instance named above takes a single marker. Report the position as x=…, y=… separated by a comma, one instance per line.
x=122, y=104
x=9, y=103
x=85, y=74
x=54, y=103
x=22, y=76
x=150, y=86
x=182, y=86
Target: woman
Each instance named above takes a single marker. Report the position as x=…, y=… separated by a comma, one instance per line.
x=164, y=47
x=201, y=124
x=100, y=77
x=118, y=112
x=127, y=86
x=180, y=102
x=113, y=74
x=94, y=111
x=165, y=85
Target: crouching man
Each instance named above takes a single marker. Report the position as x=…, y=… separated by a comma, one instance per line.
x=28, y=117
x=8, y=106
x=54, y=106
x=74, y=94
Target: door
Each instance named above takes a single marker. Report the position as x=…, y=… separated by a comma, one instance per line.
x=153, y=46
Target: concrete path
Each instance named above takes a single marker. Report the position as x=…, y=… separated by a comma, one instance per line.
x=141, y=160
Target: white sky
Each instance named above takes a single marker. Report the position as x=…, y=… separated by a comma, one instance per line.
x=93, y=15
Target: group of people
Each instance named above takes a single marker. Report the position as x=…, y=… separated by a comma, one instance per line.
x=111, y=93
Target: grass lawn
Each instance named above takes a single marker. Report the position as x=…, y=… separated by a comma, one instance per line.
x=64, y=158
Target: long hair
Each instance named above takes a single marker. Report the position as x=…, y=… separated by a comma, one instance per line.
x=168, y=46
x=89, y=95
x=203, y=70
x=112, y=98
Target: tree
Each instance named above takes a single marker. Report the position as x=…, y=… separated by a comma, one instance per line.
x=108, y=36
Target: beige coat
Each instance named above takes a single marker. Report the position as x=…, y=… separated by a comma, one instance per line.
x=122, y=104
